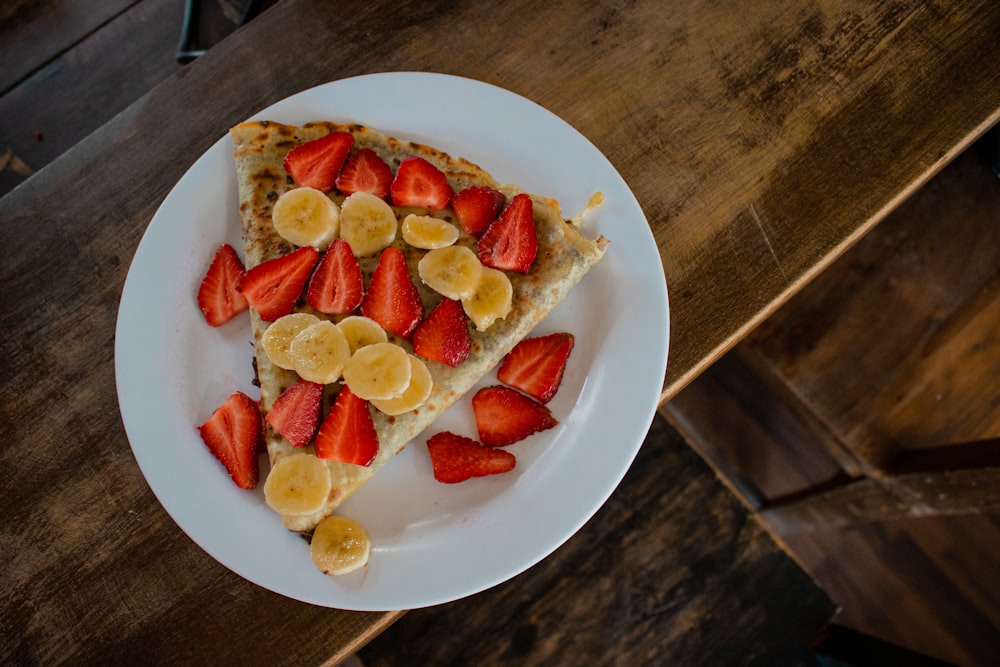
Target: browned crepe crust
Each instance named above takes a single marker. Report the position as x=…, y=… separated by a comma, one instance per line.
x=564, y=257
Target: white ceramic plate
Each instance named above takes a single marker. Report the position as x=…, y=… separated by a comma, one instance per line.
x=432, y=543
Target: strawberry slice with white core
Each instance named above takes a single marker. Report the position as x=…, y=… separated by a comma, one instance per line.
x=444, y=335
x=295, y=414
x=218, y=295
x=365, y=171
x=233, y=435
x=511, y=241
x=274, y=287
x=505, y=416
x=317, y=163
x=418, y=183
x=476, y=207
x=348, y=434
x=392, y=299
x=456, y=458
x=536, y=365
x=336, y=287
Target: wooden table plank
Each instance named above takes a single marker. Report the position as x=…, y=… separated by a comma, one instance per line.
x=83, y=73
x=725, y=123
x=811, y=140
x=655, y=578
x=43, y=117
x=33, y=31
x=893, y=347
x=925, y=368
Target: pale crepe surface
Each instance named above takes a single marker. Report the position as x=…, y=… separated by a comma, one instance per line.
x=564, y=257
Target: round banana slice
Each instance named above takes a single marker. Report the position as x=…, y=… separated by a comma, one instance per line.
x=453, y=271
x=361, y=331
x=367, y=223
x=278, y=337
x=427, y=232
x=305, y=216
x=339, y=545
x=319, y=352
x=297, y=484
x=378, y=372
x=492, y=299
x=416, y=394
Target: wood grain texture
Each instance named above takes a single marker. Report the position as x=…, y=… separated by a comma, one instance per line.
x=898, y=347
x=33, y=31
x=946, y=493
x=83, y=63
x=894, y=346
x=925, y=583
x=759, y=443
x=37, y=42
x=683, y=577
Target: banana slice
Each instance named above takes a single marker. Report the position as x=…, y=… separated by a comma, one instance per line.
x=305, y=216
x=339, y=545
x=427, y=232
x=416, y=394
x=319, y=352
x=378, y=372
x=367, y=223
x=297, y=484
x=453, y=271
x=361, y=331
x=278, y=337
x=492, y=299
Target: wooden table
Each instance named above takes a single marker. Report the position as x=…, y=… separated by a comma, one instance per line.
x=761, y=142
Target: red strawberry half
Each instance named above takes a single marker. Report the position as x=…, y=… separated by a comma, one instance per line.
x=444, y=335
x=392, y=299
x=274, y=287
x=295, y=414
x=536, y=365
x=504, y=416
x=511, y=242
x=365, y=171
x=317, y=163
x=336, y=287
x=218, y=296
x=456, y=458
x=476, y=207
x=233, y=436
x=419, y=183
x=348, y=433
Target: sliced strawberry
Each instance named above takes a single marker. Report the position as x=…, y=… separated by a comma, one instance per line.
x=392, y=299
x=317, y=163
x=444, y=335
x=218, y=296
x=536, y=365
x=274, y=287
x=419, y=183
x=295, y=414
x=456, y=458
x=503, y=416
x=511, y=242
x=233, y=436
x=365, y=171
x=348, y=433
x=476, y=207
x=336, y=286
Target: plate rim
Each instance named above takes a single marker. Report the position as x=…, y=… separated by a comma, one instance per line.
x=381, y=79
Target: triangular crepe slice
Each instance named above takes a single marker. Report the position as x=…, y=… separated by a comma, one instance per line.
x=564, y=257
